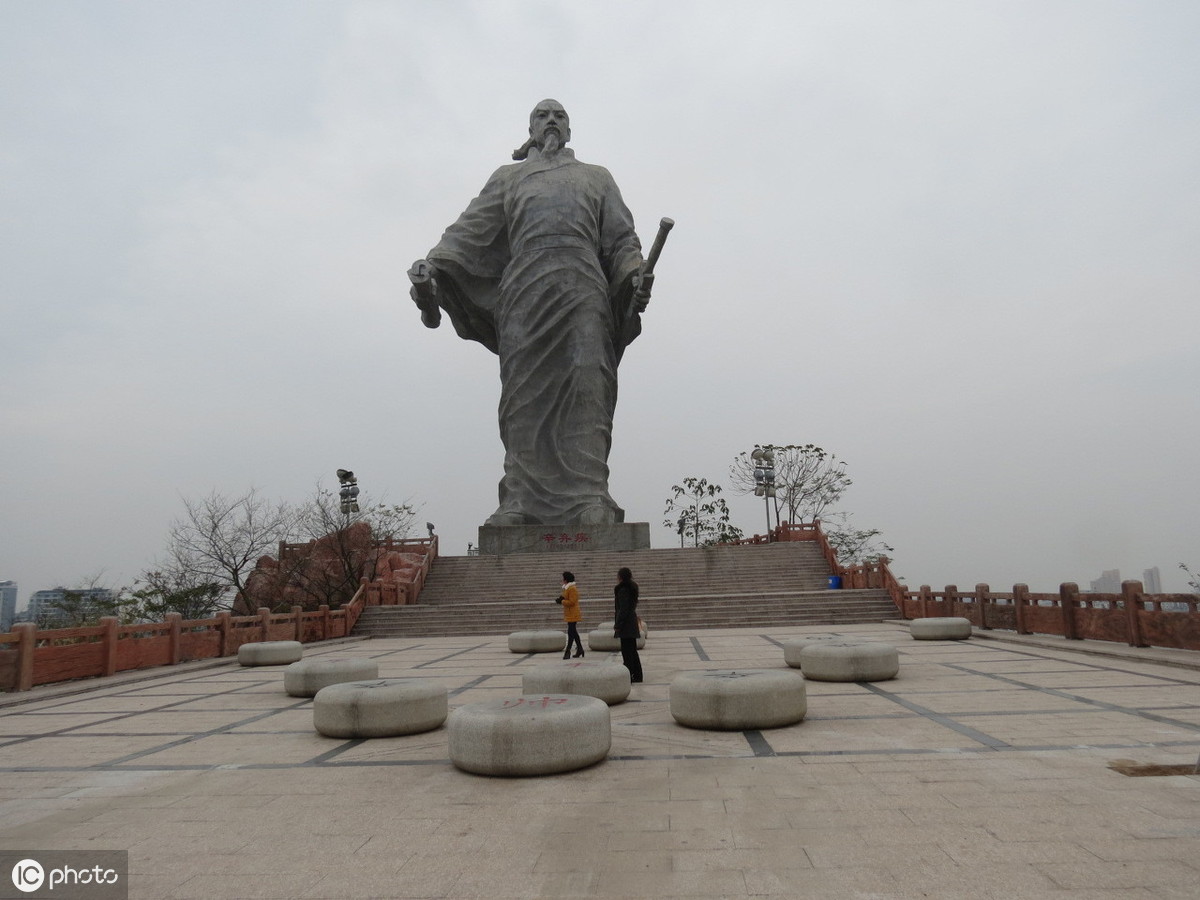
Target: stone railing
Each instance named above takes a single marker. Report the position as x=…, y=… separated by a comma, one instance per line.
x=875, y=574
x=31, y=656
x=388, y=588
x=398, y=593
x=1132, y=616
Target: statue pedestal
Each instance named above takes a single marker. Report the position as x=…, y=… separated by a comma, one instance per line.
x=503, y=540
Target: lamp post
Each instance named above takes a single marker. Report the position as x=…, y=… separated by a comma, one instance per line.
x=348, y=492
x=764, y=480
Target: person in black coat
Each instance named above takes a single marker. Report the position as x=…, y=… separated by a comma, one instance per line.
x=626, y=622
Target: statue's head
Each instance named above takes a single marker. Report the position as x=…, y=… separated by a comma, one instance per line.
x=547, y=118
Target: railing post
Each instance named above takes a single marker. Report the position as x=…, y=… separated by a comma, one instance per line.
x=264, y=623
x=25, y=648
x=925, y=594
x=983, y=596
x=1131, y=591
x=1020, y=601
x=223, y=628
x=174, y=633
x=1068, y=597
x=109, y=639
x=298, y=612
x=324, y=621
x=951, y=599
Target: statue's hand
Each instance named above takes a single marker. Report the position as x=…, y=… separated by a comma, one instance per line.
x=424, y=292
x=643, y=282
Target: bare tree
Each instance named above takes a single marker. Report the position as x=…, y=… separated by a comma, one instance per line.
x=219, y=538
x=853, y=545
x=807, y=479
x=341, y=549
x=1193, y=578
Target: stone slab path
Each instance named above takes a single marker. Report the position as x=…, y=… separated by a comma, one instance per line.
x=981, y=771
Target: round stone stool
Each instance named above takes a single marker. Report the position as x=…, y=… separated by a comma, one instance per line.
x=270, y=653
x=944, y=628
x=792, y=648
x=383, y=708
x=602, y=641
x=643, y=628
x=847, y=661
x=534, y=734
x=537, y=641
x=305, y=678
x=738, y=700
x=603, y=680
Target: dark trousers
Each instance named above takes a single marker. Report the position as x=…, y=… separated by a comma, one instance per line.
x=629, y=656
x=573, y=638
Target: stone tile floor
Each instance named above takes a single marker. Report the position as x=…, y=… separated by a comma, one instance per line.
x=982, y=771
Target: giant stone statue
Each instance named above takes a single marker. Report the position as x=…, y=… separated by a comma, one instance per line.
x=544, y=269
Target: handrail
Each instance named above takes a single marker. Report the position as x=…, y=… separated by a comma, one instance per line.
x=1132, y=616
x=30, y=656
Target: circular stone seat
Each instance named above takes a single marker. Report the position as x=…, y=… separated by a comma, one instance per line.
x=847, y=661
x=792, y=648
x=643, y=628
x=537, y=641
x=603, y=680
x=941, y=628
x=738, y=700
x=305, y=678
x=601, y=640
x=533, y=734
x=382, y=708
x=270, y=653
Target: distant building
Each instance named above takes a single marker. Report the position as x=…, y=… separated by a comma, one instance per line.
x=1109, y=582
x=1152, y=581
x=8, y=605
x=54, y=609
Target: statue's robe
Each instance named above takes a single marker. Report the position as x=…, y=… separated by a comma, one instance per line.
x=539, y=270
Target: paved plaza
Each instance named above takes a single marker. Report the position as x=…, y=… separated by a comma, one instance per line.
x=982, y=771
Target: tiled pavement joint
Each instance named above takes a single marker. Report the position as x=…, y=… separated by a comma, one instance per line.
x=981, y=771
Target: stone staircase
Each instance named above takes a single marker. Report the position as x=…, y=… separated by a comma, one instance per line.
x=756, y=586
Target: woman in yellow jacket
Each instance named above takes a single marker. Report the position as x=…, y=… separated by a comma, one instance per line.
x=569, y=598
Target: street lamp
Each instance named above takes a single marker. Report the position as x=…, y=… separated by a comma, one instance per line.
x=764, y=479
x=348, y=492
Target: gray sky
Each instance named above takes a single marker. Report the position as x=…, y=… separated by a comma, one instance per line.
x=953, y=243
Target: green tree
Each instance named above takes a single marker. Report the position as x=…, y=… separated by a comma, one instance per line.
x=696, y=508
x=163, y=591
x=81, y=606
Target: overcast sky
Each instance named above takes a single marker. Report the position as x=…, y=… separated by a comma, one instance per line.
x=953, y=243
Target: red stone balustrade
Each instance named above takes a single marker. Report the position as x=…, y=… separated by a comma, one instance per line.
x=1132, y=616
x=31, y=656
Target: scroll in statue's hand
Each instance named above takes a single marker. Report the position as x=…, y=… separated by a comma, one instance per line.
x=424, y=292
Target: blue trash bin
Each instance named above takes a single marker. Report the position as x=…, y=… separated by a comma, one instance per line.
x=835, y=582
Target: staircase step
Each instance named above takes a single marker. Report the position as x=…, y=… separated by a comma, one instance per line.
x=728, y=586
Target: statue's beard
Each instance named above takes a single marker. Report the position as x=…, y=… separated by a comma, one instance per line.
x=552, y=143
